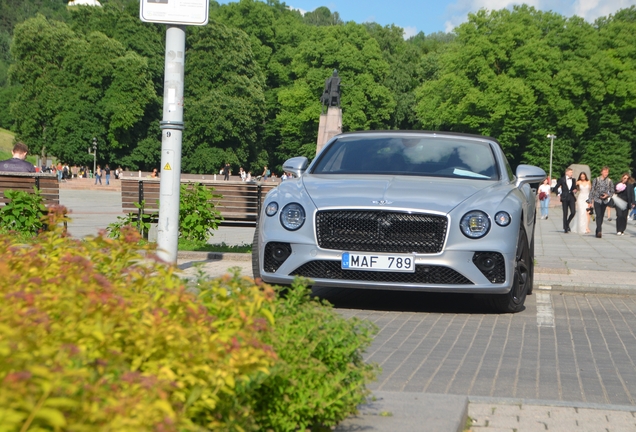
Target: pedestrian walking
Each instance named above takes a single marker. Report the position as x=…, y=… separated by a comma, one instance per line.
x=624, y=191
x=98, y=175
x=566, y=188
x=107, y=173
x=226, y=172
x=544, y=197
x=581, y=222
x=602, y=190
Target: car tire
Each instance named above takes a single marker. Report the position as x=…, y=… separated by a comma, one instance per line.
x=256, y=271
x=514, y=300
x=531, y=280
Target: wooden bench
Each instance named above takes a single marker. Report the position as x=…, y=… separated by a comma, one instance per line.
x=46, y=183
x=239, y=202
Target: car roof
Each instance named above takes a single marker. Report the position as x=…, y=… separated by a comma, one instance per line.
x=423, y=132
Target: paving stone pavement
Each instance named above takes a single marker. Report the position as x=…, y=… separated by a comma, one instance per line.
x=566, y=363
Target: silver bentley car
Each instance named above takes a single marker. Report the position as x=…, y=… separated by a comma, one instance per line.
x=421, y=211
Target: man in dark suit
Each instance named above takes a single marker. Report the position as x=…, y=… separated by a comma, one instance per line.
x=565, y=188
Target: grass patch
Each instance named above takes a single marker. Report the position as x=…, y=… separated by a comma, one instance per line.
x=188, y=245
x=6, y=141
x=6, y=146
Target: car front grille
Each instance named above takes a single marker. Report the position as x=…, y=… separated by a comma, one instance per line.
x=424, y=274
x=380, y=231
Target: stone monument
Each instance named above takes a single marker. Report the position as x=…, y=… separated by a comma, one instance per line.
x=330, y=123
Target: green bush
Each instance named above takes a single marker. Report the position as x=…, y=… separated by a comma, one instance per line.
x=98, y=335
x=197, y=215
x=23, y=213
x=142, y=224
x=320, y=377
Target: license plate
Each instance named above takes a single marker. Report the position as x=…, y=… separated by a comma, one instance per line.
x=378, y=262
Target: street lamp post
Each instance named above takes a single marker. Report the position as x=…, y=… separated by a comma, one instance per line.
x=552, y=137
x=94, y=153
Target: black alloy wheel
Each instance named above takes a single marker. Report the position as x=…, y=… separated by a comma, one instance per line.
x=514, y=300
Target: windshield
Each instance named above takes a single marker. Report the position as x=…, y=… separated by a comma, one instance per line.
x=409, y=155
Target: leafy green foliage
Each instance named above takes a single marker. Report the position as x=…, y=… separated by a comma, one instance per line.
x=520, y=74
x=100, y=335
x=197, y=215
x=321, y=375
x=115, y=230
x=254, y=76
x=75, y=87
x=226, y=101
x=95, y=335
x=24, y=211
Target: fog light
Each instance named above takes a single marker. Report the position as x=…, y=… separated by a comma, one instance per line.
x=281, y=252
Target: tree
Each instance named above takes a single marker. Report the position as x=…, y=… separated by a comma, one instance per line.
x=75, y=87
x=322, y=16
x=366, y=103
x=225, y=100
x=519, y=75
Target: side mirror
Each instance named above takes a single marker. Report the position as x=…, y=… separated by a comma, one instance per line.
x=529, y=174
x=296, y=165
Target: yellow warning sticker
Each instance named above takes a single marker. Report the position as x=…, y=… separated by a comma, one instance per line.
x=167, y=167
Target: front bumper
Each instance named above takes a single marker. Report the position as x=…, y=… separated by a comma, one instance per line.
x=449, y=271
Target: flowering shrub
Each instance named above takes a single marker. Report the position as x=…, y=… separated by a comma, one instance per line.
x=97, y=335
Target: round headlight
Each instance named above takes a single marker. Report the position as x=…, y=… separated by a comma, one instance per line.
x=271, y=208
x=292, y=216
x=502, y=219
x=475, y=224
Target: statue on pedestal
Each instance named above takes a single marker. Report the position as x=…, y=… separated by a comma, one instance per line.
x=331, y=94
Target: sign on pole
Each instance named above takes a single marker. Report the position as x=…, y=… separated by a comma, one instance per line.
x=178, y=12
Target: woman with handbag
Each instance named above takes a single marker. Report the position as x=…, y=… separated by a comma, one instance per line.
x=625, y=192
x=544, y=197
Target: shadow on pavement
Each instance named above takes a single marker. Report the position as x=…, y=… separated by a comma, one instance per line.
x=403, y=301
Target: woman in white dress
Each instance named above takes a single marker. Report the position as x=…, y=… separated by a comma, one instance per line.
x=582, y=218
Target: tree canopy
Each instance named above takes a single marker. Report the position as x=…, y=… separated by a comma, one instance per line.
x=255, y=73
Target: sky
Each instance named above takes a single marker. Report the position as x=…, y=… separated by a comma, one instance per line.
x=431, y=16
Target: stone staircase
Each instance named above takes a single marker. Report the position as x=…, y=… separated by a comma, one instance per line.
x=89, y=184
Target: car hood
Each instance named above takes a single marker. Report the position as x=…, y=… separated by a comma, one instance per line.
x=426, y=193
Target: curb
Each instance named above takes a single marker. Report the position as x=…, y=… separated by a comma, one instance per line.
x=587, y=288
x=546, y=402
x=214, y=256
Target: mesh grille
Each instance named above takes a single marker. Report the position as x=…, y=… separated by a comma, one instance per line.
x=424, y=274
x=271, y=264
x=380, y=231
x=498, y=273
